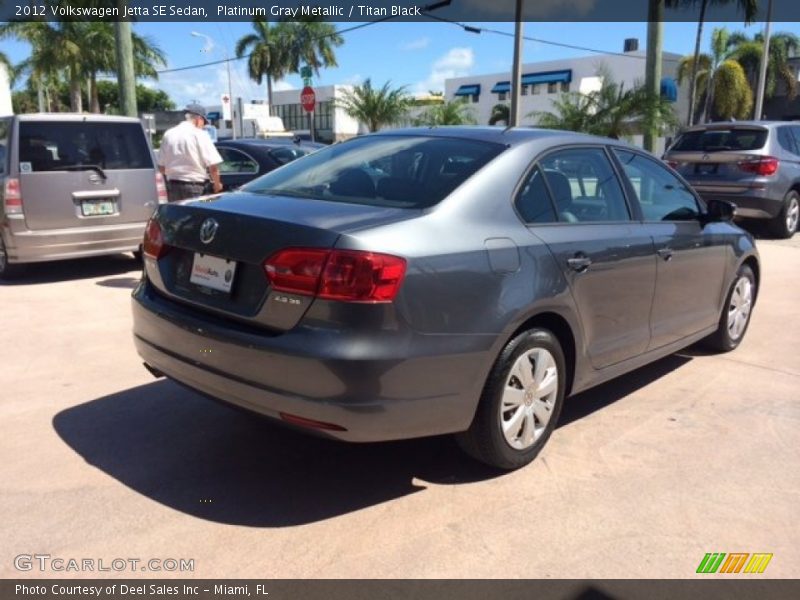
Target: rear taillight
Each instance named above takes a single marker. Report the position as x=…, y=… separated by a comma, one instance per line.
x=764, y=165
x=346, y=275
x=153, y=244
x=161, y=188
x=12, y=196
x=673, y=163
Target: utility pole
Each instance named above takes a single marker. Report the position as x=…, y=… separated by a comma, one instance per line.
x=513, y=113
x=125, y=75
x=652, y=76
x=762, y=74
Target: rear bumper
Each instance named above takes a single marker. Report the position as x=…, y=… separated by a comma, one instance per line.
x=376, y=387
x=751, y=204
x=26, y=246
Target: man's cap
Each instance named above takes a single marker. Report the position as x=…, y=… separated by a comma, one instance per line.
x=198, y=110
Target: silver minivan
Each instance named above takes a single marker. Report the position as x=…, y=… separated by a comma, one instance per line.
x=73, y=185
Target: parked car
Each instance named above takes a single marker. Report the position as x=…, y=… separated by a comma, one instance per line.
x=754, y=164
x=486, y=275
x=73, y=185
x=248, y=158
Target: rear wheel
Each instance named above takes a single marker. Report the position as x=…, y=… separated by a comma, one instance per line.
x=736, y=315
x=785, y=224
x=520, y=403
x=7, y=270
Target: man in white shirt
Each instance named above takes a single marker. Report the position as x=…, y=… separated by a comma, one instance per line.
x=188, y=158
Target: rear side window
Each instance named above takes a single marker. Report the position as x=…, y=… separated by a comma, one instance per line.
x=786, y=140
x=58, y=146
x=382, y=170
x=237, y=162
x=662, y=196
x=533, y=202
x=717, y=140
x=584, y=186
x=5, y=127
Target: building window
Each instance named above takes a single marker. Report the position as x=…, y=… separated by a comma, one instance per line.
x=536, y=89
x=524, y=90
x=565, y=86
x=552, y=88
x=501, y=96
x=475, y=98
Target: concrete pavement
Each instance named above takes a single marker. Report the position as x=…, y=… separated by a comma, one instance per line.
x=693, y=454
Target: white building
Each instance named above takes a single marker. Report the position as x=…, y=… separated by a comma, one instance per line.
x=542, y=82
x=331, y=123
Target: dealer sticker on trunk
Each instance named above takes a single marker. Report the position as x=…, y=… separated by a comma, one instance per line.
x=212, y=272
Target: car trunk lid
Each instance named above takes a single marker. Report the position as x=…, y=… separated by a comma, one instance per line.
x=248, y=229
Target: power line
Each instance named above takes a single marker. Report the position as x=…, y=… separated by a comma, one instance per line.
x=237, y=58
x=471, y=29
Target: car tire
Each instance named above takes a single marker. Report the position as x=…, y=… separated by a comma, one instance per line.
x=137, y=255
x=520, y=403
x=785, y=224
x=8, y=271
x=736, y=312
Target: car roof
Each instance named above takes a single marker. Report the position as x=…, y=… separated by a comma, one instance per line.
x=87, y=117
x=730, y=124
x=509, y=136
x=268, y=144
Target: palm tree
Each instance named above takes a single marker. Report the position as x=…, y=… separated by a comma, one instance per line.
x=311, y=41
x=500, y=112
x=100, y=35
x=572, y=111
x=611, y=111
x=266, y=53
x=733, y=97
x=719, y=47
x=375, y=107
x=454, y=112
x=748, y=7
x=748, y=52
x=55, y=47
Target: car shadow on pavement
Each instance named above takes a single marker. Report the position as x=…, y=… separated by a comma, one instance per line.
x=597, y=398
x=218, y=463
x=119, y=282
x=81, y=268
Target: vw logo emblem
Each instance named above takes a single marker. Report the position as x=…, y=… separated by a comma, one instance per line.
x=208, y=230
x=706, y=157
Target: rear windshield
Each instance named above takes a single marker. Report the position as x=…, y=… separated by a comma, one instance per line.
x=54, y=146
x=717, y=140
x=383, y=170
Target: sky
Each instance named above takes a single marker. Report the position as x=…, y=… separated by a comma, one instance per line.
x=417, y=55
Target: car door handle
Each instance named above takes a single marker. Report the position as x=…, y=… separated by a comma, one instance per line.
x=579, y=263
x=665, y=253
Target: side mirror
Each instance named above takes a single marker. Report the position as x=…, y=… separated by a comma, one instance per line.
x=720, y=211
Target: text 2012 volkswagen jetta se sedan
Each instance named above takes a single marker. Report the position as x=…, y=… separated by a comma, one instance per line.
x=431, y=281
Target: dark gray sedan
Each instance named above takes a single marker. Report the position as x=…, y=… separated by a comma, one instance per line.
x=448, y=280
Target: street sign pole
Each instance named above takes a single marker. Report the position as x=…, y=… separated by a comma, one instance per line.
x=308, y=99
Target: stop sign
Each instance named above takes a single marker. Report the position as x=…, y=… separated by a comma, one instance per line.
x=308, y=99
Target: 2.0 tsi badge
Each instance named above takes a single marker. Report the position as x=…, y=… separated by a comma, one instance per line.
x=208, y=230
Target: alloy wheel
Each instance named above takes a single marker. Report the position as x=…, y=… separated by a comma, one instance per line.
x=792, y=215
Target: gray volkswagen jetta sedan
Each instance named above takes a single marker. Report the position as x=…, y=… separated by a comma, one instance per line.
x=431, y=281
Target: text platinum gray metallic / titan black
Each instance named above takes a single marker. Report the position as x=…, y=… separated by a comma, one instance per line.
x=434, y=281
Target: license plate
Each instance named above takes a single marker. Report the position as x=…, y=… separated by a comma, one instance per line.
x=97, y=208
x=212, y=272
x=706, y=169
